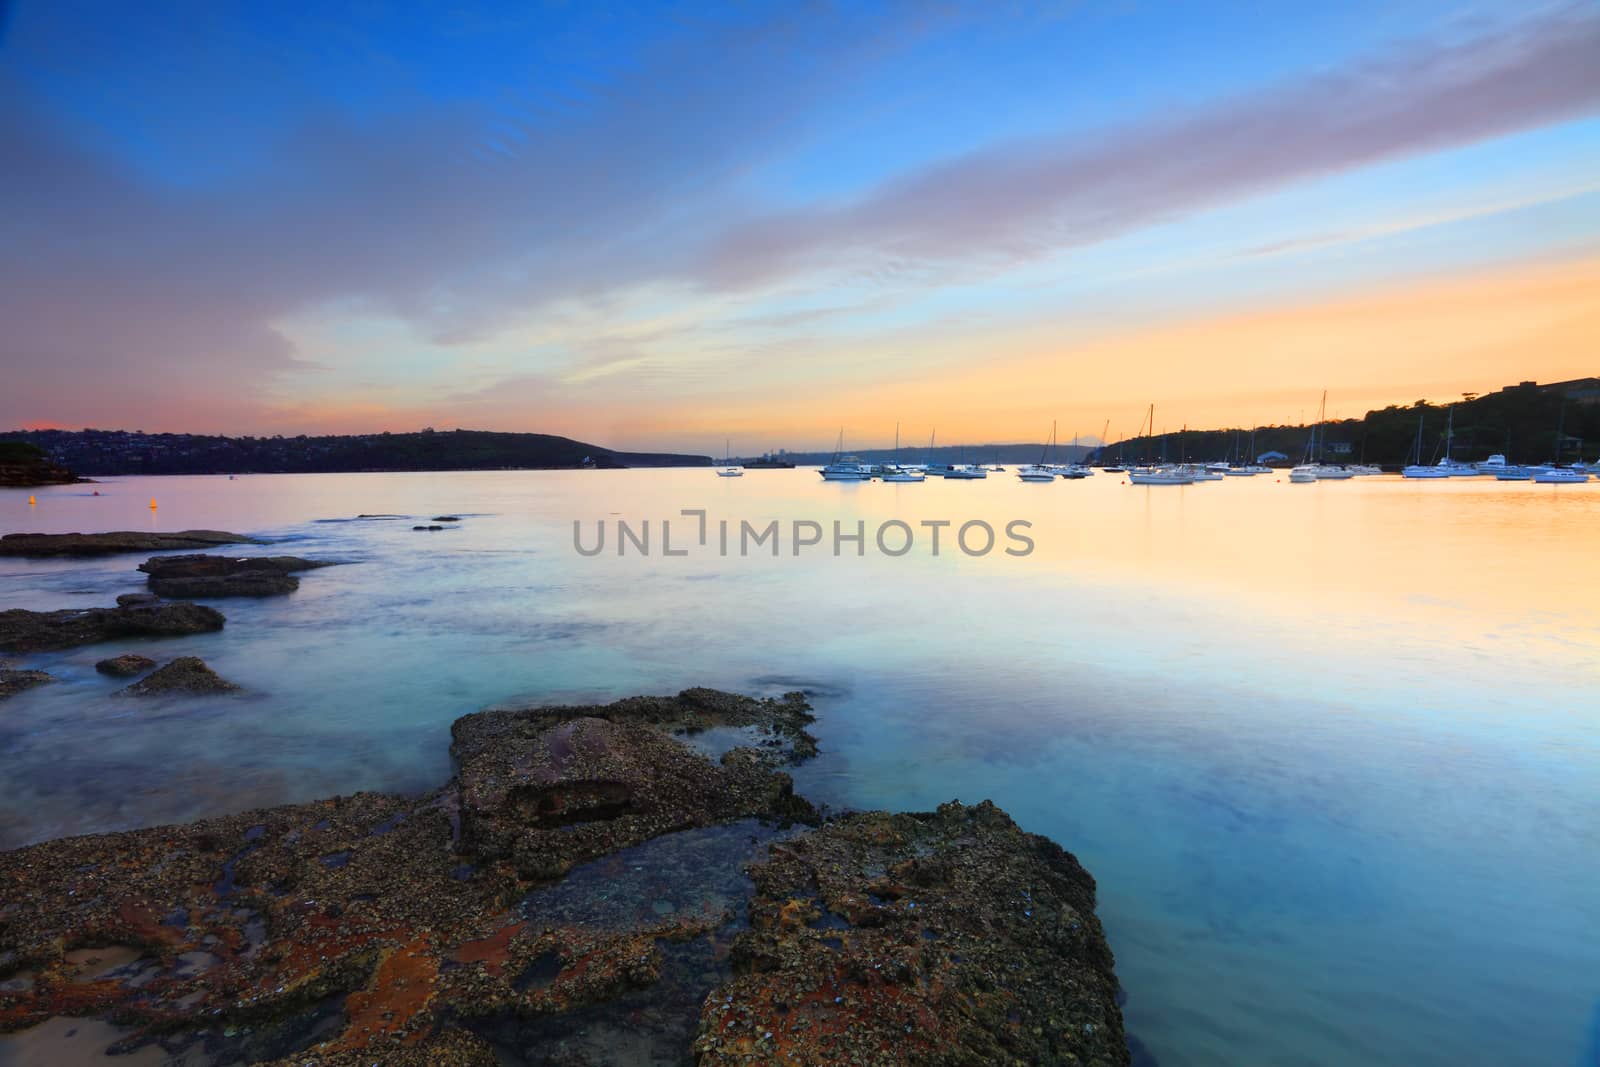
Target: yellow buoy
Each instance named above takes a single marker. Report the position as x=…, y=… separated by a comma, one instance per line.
x=152, y=503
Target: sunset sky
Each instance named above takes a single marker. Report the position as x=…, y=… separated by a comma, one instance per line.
x=664, y=225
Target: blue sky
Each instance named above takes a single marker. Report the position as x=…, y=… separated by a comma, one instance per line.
x=657, y=224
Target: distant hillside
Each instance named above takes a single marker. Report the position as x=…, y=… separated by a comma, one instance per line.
x=1520, y=421
x=112, y=452
x=25, y=465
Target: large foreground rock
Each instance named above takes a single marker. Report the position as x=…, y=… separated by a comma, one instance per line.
x=186, y=674
x=43, y=631
x=99, y=544
x=437, y=929
x=187, y=577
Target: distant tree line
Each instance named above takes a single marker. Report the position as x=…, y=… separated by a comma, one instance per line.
x=1520, y=421
x=113, y=452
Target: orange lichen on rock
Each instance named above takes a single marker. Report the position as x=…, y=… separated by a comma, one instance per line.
x=493, y=951
x=399, y=992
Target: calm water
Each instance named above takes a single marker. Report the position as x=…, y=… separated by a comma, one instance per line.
x=1332, y=751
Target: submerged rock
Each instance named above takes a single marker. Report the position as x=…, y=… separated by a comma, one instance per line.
x=446, y=518
x=43, y=631
x=215, y=576
x=186, y=674
x=427, y=527
x=98, y=544
x=125, y=666
x=13, y=682
x=577, y=893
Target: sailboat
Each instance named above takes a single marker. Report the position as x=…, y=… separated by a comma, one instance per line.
x=1553, y=473
x=845, y=468
x=1162, y=475
x=1040, y=471
x=896, y=473
x=1419, y=469
x=729, y=469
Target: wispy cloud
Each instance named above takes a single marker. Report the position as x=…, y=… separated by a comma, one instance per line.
x=1025, y=199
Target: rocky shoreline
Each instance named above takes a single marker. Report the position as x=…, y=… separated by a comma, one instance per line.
x=588, y=889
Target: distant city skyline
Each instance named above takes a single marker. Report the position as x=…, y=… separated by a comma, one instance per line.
x=662, y=226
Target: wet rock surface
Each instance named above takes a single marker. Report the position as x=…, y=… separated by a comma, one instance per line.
x=125, y=666
x=13, y=681
x=579, y=894
x=950, y=937
x=186, y=674
x=218, y=576
x=100, y=544
x=43, y=631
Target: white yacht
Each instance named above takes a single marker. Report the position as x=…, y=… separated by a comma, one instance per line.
x=729, y=468
x=1419, y=469
x=1511, y=473
x=845, y=468
x=966, y=472
x=1160, y=476
x=1041, y=471
x=1559, y=476
x=1304, y=474
x=1329, y=472
x=1199, y=473
x=894, y=472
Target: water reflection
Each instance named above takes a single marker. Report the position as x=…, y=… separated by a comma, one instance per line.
x=1330, y=750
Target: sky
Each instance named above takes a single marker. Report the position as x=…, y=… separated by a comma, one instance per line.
x=667, y=225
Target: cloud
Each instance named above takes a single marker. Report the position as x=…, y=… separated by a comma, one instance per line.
x=456, y=218
x=125, y=291
x=1024, y=199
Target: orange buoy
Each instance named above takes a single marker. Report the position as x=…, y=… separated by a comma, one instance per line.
x=152, y=503
x=31, y=500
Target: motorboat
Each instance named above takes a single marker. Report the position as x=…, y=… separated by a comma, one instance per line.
x=1559, y=475
x=966, y=472
x=843, y=468
x=1510, y=473
x=1303, y=474
x=1328, y=472
x=1199, y=473
x=1036, y=473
